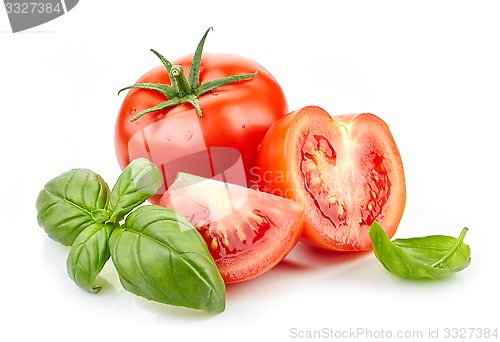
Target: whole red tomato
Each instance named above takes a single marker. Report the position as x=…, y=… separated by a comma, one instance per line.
x=203, y=114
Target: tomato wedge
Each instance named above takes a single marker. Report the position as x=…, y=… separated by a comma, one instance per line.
x=347, y=170
x=247, y=232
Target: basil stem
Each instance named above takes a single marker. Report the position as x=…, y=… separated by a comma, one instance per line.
x=160, y=256
x=431, y=257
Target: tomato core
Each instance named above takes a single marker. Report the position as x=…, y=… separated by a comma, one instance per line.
x=380, y=189
x=327, y=179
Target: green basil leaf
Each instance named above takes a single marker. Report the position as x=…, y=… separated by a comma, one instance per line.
x=66, y=203
x=88, y=255
x=431, y=257
x=160, y=256
x=438, y=251
x=140, y=180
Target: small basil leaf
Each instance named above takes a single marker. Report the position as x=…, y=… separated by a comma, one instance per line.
x=431, y=257
x=88, y=255
x=66, y=203
x=140, y=180
x=160, y=256
x=100, y=215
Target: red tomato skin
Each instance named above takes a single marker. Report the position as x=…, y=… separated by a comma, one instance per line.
x=235, y=116
x=278, y=173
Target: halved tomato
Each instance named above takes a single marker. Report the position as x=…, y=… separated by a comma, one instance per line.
x=347, y=170
x=247, y=231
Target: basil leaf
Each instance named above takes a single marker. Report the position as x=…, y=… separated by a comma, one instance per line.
x=66, y=203
x=438, y=250
x=140, y=180
x=160, y=256
x=431, y=257
x=88, y=255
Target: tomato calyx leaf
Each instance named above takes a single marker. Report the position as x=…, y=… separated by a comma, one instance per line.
x=182, y=90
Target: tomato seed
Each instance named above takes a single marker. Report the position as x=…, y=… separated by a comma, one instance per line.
x=341, y=210
x=315, y=181
x=309, y=147
x=257, y=218
x=241, y=234
x=310, y=165
x=214, y=244
x=332, y=200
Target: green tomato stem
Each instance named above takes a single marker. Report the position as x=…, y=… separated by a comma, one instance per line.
x=182, y=90
x=180, y=82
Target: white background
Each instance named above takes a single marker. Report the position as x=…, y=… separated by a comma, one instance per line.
x=429, y=68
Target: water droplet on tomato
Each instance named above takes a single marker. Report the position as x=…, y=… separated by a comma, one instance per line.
x=132, y=111
x=215, y=94
x=189, y=135
x=243, y=126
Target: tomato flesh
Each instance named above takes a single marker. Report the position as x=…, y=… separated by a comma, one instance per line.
x=247, y=232
x=347, y=170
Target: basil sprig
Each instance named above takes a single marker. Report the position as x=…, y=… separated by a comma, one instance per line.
x=157, y=253
x=430, y=257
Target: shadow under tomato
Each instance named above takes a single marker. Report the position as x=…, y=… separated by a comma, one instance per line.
x=305, y=257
